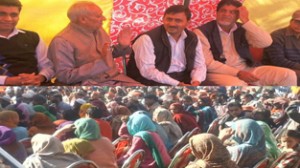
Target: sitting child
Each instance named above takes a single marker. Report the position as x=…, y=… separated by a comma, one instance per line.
x=290, y=146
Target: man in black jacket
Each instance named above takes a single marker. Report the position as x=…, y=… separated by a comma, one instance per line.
x=168, y=54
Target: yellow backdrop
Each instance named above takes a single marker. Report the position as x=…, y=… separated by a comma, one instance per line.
x=272, y=14
x=50, y=16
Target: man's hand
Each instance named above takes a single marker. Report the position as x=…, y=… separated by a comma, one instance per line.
x=195, y=83
x=14, y=80
x=243, y=14
x=32, y=79
x=247, y=77
x=225, y=133
x=183, y=84
x=105, y=49
x=124, y=38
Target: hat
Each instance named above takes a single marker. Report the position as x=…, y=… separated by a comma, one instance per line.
x=5, y=98
x=29, y=94
x=80, y=101
x=296, y=15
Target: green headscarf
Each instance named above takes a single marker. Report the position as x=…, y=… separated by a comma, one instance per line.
x=81, y=147
x=42, y=109
x=271, y=143
x=140, y=124
x=87, y=128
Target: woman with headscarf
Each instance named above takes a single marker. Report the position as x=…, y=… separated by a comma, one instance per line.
x=95, y=113
x=250, y=139
x=209, y=152
x=271, y=144
x=40, y=123
x=206, y=112
x=119, y=115
x=10, y=144
x=100, y=150
x=83, y=108
x=11, y=120
x=164, y=118
x=42, y=109
x=48, y=152
x=186, y=121
x=100, y=104
x=142, y=128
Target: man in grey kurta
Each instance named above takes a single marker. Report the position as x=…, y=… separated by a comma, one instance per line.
x=81, y=52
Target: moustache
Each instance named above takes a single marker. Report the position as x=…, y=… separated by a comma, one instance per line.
x=173, y=27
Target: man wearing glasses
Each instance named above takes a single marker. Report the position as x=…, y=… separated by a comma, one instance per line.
x=285, y=49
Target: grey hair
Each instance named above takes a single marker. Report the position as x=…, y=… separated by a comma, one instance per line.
x=79, y=8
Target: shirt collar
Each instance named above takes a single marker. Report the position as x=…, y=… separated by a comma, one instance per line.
x=290, y=32
x=182, y=36
x=232, y=29
x=13, y=33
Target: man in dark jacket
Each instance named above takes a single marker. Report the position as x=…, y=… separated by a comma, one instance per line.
x=168, y=54
x=23, y=55
x=226, y=45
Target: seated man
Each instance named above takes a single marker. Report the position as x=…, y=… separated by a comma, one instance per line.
x=23, y=55
x=226, y=45
x=285, y=49
x=168, y=54
x=81, y=52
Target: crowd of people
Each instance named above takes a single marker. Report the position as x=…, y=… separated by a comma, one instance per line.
x=238, y=126
x=215, y=53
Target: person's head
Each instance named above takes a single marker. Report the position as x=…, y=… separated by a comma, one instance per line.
x=9, y=15
x=56, y=98
x=295, y=21
x=120, y=110
x=262, y=114
x=140, y=121
x=39, y=99
x=204, y=101
x=176, y=19
x=246, y=98
x=46, y=144
x=94, y=112
x=176, y=108
x=150, y=99
x=234, y=109
x=209, y=148
x=101, y=106
x=290, y=139
x=70, y=115
x=7, y=136
x=9, y=118
x=187, y=100
x=5, y=101
x=247, y=131
x=86, y=14
x=227, y=13
x=83, y=109
x=40, y=120
x=87, y=128
x=161, y=114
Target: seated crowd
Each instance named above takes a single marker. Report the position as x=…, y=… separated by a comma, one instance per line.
x=222, y=126
x=215, y=53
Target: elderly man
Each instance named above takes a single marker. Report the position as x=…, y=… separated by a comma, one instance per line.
x=285, y=49
x=226, y=43
x=23, y=54
x=81, y=52
x=168, y=54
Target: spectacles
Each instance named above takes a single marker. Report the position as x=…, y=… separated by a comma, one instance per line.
x=297, y=21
